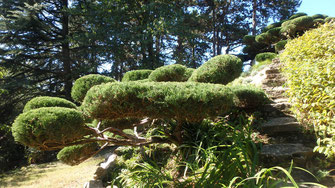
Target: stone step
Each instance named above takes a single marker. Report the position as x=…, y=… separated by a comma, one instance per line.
x=274, y=76
x=275, y=91
x=280, y=125
x=277, y=109
x=273, y=154
x=274, y=82
x=272, y=71
x=281, y=100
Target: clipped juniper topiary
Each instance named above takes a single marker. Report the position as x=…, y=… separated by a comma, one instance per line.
x=263, y=38
x=299, y=14
x=249, y=97
x=319, y=16
x=221, y=69
x=83, y=84
x=73, y=155
x=280, y=45
x=189, y=72
x=329, y=19
x=297, y=26
x=249, y=39
x=182, y=101
x=169, y=73
x=271, y=26
x=318, y=21
x=124, y=123
x=265, y=56
x=39, y=102
x=49, y=128
x=136, y=75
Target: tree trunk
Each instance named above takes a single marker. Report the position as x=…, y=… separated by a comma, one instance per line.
x=66, y=52
x=254, y=17
x=214, y=30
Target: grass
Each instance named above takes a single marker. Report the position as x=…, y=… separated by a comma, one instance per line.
x=54, y=174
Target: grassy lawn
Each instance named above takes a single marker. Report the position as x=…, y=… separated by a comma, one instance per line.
x=54, y=174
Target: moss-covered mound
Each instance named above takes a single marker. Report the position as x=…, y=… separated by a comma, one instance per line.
x=183, y=100
x=221, y=69
x=73, y=155
x=169, y=73
x=136, y=75
x=83, y=84
x=48, y=128
x=39, y=102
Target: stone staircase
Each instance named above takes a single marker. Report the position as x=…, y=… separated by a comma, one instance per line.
x=286, y=140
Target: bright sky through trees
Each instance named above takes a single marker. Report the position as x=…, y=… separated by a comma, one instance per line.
x=312, y=7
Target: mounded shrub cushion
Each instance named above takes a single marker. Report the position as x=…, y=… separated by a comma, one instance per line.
x=299, y=14
x=39, y=102
x=280, y=45
x=182, y=100
x=248, y=96
x=48, y=127
x=265, y=56
x=123, y=123
x=169, y=73
x=221, y=69
x=248, y=39
x=136, y=75
x=83, y=84
x=73, y=155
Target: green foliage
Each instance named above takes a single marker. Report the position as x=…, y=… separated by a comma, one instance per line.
x=299, y=14
x=183, y=101
x=309, y=66
x=249, y=39
x=124, y=123
x=272, y=26
x=221, y=69
x=329, y=19
x=73, y=155
x=296, y=26
x=48, y=128
x=249, y=97
x=265, y=56
x=169, y=73
x=40, y=102
x=136, y=75
x=318, y=21
x=280, y=45
x=319, y=16
x=263, y=38
x=83, y=84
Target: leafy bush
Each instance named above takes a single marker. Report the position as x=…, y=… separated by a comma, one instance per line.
x=73, y=155
x=183, y=101
x=169, y=73
x=297, y=26
x=39, y=102
x=83, y=84
x=299, y=14
x=280, y=45
x=309, y=66
x=136, y=75
x=124, y=123
x=319, y=16
x=265, y=56
x=272, y=26
x=48, y=128
x=249, y=96
x=329, y=19
x=221, y=69
x=249, y=39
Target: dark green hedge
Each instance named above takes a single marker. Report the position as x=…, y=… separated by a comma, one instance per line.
x=182, y=101
x=73, y=155
x=265, y=56
x=221, y=69
x=249, y=96
x=136, y=75
x=39, y=102
x=169, y=73
x=280, y=45
x=83, y=84
x=47, y=127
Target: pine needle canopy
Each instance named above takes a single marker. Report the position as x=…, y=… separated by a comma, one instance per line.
x=49, y=128
x=170, y=73
x=177, y=100
x=136, y=75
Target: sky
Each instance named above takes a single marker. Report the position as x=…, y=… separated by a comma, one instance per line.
x=312, y=7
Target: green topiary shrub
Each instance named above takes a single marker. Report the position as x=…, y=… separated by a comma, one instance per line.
x=39, y=102
x=83, y=84
x=169, y=73
x=309, y=67
x=73, y=155
x=319, y=16
x=221, y=69
x=272, y=26
x=124, y=123
x=48, y=128
x=249, y=96
x=182, y=101
x=136, y=75
x=329, y=19
x=280, y=45
x=265, y=56
x=317, y=22
x=189, y=72
x=299, y=14
x=249, y=39
x=297, y=26
x=263, y=38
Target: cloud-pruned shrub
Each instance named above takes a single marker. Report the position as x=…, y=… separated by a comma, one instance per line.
x=309, y=66
x=221, y=69
x=73, y=155
x=136, y=75
x=169, y=73
x=83, y=84
x=249, y=97
x=265, y=56
x=39, y=102
x=280, y=45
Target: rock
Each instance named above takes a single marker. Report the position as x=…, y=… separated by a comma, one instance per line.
x=102, y=169
x=273, y=154
x=280, y=125
x=94, y=184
